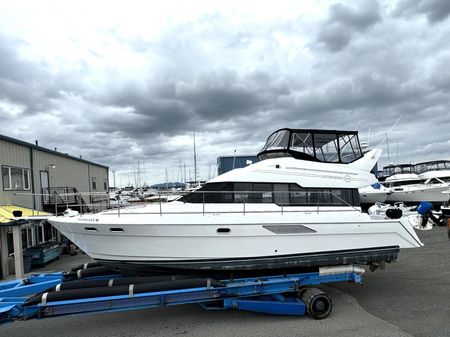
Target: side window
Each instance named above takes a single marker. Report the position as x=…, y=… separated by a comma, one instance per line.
x=298, y=195
x=94, y=184
x=15, y=178
x=241, y=192
x=262, y=193
x=281, y=194
x=105, y=184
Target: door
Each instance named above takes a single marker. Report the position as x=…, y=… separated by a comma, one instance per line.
x=45, y=186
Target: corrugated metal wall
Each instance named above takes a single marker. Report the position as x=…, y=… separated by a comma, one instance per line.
x=18, y=156
x=67, y=172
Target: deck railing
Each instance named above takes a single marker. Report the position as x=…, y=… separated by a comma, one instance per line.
x=314, y=201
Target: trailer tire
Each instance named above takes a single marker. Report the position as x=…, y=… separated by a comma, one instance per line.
x=318, y=303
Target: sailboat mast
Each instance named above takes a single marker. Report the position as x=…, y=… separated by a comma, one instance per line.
x=195, y=162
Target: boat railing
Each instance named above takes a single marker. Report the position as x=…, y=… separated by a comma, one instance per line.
x=314, y=201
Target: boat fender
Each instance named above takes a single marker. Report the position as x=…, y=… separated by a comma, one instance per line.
x=131, y=290
x=110, y=282
x=58, y=287
x=79, y=275
x=85, y=266
x=394, y=213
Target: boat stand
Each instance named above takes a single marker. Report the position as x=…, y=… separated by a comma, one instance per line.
x=289, y=294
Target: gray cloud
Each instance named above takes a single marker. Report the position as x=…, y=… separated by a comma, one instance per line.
x=435, y=10
x=345, y=21
x=233, y=83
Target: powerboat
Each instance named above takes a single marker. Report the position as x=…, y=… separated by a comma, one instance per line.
x=373, y=194
x=297, y=208
x=412, y=184
x=434, y=169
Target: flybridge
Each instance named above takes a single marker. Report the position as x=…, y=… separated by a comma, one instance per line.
x=329, y=146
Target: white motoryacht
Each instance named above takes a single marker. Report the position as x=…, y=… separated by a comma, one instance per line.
x=374, y=193
x=415, y=183
x=434, y=169
x=296, y=208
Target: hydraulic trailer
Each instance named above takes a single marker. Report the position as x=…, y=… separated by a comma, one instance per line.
x=48, y=295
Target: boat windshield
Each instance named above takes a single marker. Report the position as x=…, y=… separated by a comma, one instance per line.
x=397, y=169
x=317, y=145
x=432, y=166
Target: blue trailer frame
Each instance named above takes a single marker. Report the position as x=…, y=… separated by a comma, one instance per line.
x=261, y=294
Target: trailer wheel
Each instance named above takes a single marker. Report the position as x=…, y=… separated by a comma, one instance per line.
x=318, y=304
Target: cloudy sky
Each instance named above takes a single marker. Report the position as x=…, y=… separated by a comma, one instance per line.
x=122, y=82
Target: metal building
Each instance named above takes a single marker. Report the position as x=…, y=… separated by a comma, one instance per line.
x=42, y=179
x=228, y=163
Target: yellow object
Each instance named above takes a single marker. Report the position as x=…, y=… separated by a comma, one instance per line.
x=6, y=213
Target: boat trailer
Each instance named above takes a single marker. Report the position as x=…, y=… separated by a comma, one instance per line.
x=49, y=295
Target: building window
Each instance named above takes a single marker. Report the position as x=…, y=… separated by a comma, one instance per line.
x=15, y=178
x=94, y=184
x=46, y=232
x=105, y=184
x=10, y=242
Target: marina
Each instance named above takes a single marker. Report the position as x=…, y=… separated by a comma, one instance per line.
x=240, y=168
x=405, y=299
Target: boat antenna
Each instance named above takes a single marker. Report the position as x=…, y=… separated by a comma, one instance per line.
x=234, y=159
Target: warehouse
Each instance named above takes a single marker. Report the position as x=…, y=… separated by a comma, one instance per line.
x=38, y=178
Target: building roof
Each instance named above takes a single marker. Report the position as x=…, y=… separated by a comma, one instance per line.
x=43, y=149
x=7, y=216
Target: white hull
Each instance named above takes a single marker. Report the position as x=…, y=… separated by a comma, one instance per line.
x=373, y=196
x=418, y=193
x=184, y=237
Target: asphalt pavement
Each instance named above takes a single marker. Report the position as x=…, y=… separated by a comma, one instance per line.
x=409, y=298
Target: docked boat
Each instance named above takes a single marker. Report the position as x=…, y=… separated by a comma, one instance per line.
x=296, y=208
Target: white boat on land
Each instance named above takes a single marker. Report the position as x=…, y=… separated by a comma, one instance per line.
x=298, y=207
x=415, y=183
x=374, y=193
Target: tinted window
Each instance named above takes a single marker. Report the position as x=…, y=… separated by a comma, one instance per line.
x=281, y=194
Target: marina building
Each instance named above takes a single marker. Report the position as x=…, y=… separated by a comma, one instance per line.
x=38, y=178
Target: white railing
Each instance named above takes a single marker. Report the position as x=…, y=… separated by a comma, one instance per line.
x=314, y=201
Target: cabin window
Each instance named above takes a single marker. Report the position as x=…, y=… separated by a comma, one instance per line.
x=280, y=194
x=15, y=178
x=94, y=184
x=262, y=193
x=241, y=192
x=326, y=147
x=277, y=141
x=302, y=142
x=349, y=146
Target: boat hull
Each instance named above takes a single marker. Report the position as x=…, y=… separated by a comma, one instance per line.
x=257, y=265
x=416, y=194
x=253, y=240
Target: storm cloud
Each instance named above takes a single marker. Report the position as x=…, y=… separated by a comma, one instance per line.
x=130, y=83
